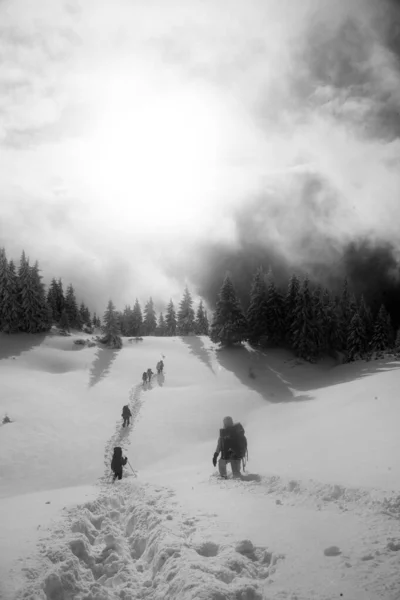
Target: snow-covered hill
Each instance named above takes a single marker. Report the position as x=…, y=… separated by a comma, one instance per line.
x=323, y=473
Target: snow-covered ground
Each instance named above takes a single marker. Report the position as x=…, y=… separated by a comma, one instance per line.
x=316, y=515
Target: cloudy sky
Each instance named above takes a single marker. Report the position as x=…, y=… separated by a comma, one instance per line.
x=134, y=133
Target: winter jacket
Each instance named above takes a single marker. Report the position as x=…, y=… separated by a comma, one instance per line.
x=126, y=412
x=118, y=461
x=225, y=454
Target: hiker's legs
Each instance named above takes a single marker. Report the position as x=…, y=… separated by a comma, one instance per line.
x=235, y=464
x=129, y=420
x=222, y=467
x=126, y=422
x=118, y=474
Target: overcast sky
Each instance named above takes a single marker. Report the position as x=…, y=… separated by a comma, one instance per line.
x=133, y=131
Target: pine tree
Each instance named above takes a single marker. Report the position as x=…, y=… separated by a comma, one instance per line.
x=150, y=319
x=3, y=286
x=60, y=298
x=306, y=331
x=290, y=306
x=111, y=328
x=229, y=325
x=320, y=320
x=43, y=309
x=52, y=300
x=368, y=323
x=201, y=324
x=186, y=320
x=257, y=312
x=71, y=308
x=331, y=332
x=356, y=342
x=136, y=323
x=161, y=327
x=397, y=341
x=275, y=313
x=170, y=319
x=11, y=311
x=64, y=323
x=382, y=331
x=345, y=315
x=31, y=298
x=126, y=320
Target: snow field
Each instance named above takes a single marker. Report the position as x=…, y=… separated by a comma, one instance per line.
x=322, y=459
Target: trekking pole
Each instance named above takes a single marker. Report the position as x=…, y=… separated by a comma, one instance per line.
x=131, y=468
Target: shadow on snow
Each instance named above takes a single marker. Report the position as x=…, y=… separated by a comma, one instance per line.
x=101, y=365
x=17, y=343
x=197, y=348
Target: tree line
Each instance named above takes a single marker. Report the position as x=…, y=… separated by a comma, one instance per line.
x=132, y=321
x=26, y=307
x=306, y=318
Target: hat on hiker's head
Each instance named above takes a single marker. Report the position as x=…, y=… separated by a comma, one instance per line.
x=228, y=422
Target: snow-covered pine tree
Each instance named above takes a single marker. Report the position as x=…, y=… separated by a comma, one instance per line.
x=257, y=312
x=150, y=319
x=111, y=328
x=290, y=306
x=382, y=331
x=170, y=319
x=275, y=312
x=161, y=326
x=64, y=323
x=201, y=324
x=305, y=329
x=229, y=325
x=356, y=342
x=186, y=320
x=136, y=322
x=71, y=308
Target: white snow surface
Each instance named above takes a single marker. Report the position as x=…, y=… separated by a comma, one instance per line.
x=316, y=515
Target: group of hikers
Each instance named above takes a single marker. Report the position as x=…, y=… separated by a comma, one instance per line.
x=232, y=445
x=147, y=375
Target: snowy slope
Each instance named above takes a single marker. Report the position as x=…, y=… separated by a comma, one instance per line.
x=323, y=452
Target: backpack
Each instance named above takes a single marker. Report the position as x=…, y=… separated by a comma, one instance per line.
x=234, y=442
x=116, y=462
x=126, y=411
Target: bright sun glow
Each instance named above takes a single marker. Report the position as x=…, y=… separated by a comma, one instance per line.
x=155, y=156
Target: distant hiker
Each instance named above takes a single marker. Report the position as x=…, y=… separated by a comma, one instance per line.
x=149, y=375
x=144, y=377
x=118, y=461
x=232, y=444
x=126, y=415
x=160, y=366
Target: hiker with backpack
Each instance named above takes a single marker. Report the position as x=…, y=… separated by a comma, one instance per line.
x=149, y=374
x=232, y=444
x=160, y=367
x=117, y=463
x=144, y=377
x=126, y=415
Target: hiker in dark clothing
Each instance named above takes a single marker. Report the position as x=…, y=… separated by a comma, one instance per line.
x=144, y=377
x=160, y=366
x=126, y=415
x=118, y=461
x=232, y=444
x=149, y=374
